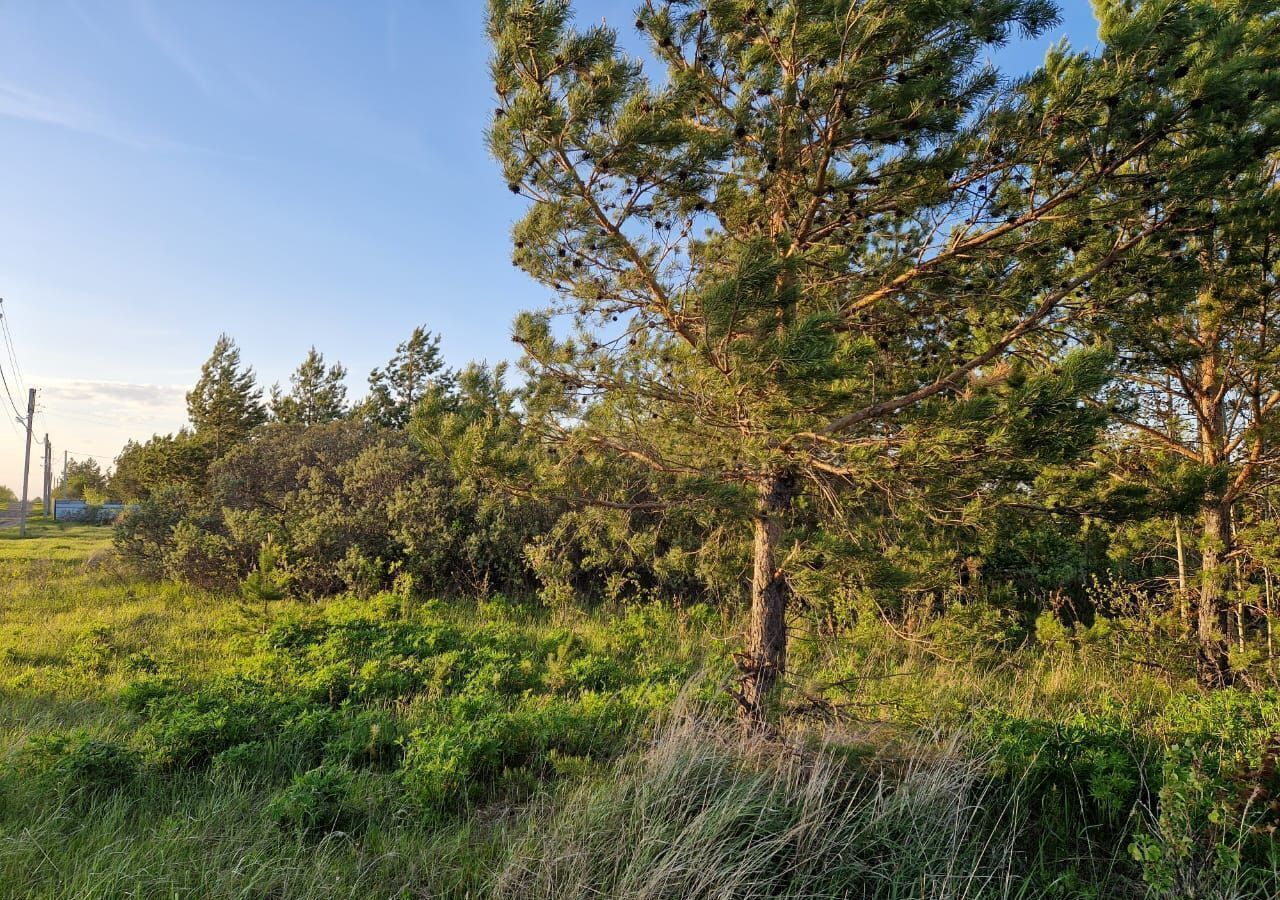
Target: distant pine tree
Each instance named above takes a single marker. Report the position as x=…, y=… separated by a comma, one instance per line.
x=226, y=403
x=83, y=477
x=316, y=393
x=416, y=368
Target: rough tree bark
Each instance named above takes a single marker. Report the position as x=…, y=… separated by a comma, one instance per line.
x=1212, y=666
x=766, y=658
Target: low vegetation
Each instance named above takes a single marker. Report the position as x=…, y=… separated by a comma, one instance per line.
x=161, y=740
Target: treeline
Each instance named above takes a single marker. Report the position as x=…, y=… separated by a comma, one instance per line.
x=401, y=489
x=855, y=325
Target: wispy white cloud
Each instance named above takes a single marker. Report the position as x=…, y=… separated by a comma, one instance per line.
x=175, y=50
x=19, y=103
x=113, y=402
x=88, y=417
x=223, y=82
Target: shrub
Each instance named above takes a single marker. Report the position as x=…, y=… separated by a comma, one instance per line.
x=372, y=738
x=187, y=730
x=252, y=758
x=140, y=693
x=317, y=802
x=82, y=764
x=143, y=534
x=978, y=632
x=201, y=558
x=1212, y=831
x=1090, y=770
x=94, y=651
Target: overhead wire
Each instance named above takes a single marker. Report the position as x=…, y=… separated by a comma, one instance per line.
x=17, y=413
x=17, y=375
x=8, y=340
x=91, y=455
x=4, y=379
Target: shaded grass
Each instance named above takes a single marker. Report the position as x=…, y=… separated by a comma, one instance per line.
x=208, y=837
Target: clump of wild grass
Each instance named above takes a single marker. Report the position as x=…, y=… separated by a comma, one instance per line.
x=706, y=812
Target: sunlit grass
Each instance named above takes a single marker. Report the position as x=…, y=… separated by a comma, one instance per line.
x=878, y=791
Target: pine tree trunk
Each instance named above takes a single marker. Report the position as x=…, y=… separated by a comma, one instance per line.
x=1240, y=604
x=766, y=658
x=1269, y=611
x=1212, y=613
x=1212, y=621
x=1184, y=610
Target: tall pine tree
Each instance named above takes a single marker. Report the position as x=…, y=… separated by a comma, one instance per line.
x=226, y=403
x=316, y=394
x=802, y=257
x=415, y=369
x=1195, y=315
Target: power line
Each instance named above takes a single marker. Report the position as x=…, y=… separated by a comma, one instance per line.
x=92, y=455
x=9, y=393
x=17, y=413
x=13, y=424
x=8, y=339
x=17, y=373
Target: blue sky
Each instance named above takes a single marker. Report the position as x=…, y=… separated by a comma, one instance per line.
x=292, y=172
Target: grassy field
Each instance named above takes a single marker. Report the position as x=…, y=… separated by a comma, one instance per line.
x=157, y=741
x=107, y=795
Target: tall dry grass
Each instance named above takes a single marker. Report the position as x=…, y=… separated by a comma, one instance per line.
x=704, y=812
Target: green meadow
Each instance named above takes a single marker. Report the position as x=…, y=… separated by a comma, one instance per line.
x=161, y=741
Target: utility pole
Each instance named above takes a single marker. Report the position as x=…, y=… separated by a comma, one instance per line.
x=26, y=463
x=48, y=477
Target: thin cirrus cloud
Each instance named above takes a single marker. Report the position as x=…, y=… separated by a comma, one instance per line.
x=303, y=100
x=224, y=82
x=175, y=51
x=19, y=103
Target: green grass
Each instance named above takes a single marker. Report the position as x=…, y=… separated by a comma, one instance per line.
x=161, y=741
x=49, y=540
x=77, y=634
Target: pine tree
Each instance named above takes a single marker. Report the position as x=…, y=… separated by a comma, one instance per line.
x=264, y=585
x=416, y=368
x=1194, y=315
x=82, y=477
x=316, y=393
x=799, y=261
x=226, y=404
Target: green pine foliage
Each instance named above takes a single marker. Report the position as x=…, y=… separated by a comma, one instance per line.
x=415, y=371
x=922, y=416
x=226, y=404
x=316, y=394
x=818, y=254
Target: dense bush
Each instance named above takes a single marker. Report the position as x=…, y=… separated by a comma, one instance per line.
x=78, y=764
x=1193, y=794
x=318, y=802
x=351, y=509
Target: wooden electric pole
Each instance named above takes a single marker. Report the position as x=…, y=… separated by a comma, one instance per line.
x=26, y=463
x=48, y=477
